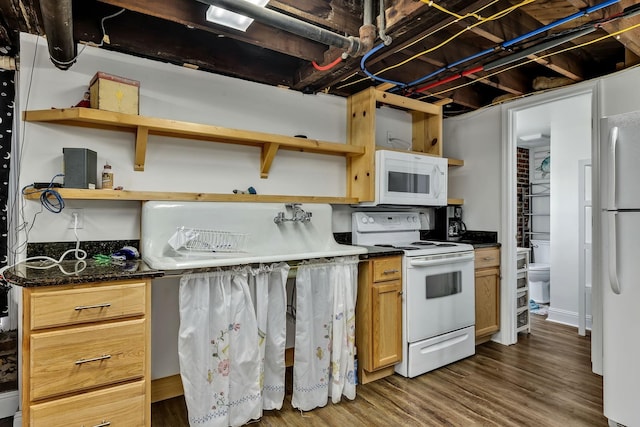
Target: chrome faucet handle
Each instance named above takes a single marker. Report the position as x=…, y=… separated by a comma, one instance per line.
x=279, y=218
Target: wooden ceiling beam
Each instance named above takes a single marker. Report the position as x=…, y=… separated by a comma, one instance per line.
x=19, y=16
x=177, y=44
x=191, y=14
x=341, y=16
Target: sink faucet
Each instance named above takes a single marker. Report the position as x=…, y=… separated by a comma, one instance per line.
x=298, y=214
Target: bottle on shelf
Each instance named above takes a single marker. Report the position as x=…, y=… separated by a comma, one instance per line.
x=107, y=177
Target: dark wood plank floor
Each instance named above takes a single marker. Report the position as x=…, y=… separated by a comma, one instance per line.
x=544, y=380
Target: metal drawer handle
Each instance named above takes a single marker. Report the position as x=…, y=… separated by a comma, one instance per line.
x=88, y=307
x=93, y=359
x=487, y=258
x=391, y=271
x=103, y=424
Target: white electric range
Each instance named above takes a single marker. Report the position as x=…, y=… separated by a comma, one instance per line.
x=438, y=295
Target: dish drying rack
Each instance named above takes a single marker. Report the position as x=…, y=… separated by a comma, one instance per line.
x=203, y=240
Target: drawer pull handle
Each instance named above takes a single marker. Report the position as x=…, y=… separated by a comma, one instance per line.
x=93, y=359
x=394, y=271
x=103, y=424
x=88, y=307
x=487, y=258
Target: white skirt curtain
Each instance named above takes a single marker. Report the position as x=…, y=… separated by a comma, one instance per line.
x=325, y=332
x=231, y=345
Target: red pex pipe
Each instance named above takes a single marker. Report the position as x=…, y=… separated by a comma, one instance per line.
x=450, y=78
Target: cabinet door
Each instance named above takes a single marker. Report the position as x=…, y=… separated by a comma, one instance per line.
x=387, y=321
x=487, y=301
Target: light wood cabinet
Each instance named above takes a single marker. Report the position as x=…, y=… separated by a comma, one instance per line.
x=426, y=136
x=487, y=287
x=86, y=356
x=379, y=317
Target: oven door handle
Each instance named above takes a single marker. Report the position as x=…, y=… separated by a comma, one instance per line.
x=425, y=262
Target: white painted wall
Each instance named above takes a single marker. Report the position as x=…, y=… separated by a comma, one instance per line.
x=476, y=138
x=169, y=91
x=570, y=143
x=174, y=92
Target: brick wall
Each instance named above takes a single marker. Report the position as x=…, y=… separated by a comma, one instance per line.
x=522, y=238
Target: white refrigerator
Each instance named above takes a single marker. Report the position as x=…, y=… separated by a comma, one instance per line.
x=620, y=227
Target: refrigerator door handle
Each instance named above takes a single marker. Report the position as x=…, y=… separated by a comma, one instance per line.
x=613, y=141
x=613, y=256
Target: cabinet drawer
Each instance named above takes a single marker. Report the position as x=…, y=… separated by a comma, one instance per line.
x=522, y=282
x=65, y=361
x=86, y=304
x=522, y=301
x=122, y=405
x=387, y=269
x=521, y=262
x=489, y=257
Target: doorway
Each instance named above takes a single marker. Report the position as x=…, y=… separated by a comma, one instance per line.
x=565, y=120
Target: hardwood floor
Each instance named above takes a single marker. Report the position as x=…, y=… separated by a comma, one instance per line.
x=544, y=380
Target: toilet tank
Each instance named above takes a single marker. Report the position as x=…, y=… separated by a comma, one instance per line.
x=541, y=251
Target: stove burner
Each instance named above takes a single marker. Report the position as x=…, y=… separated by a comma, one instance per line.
x=423, y=243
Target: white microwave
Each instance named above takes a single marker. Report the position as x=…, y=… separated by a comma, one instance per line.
x=409, y=178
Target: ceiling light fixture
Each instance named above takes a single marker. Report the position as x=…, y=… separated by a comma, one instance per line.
x=220, y=16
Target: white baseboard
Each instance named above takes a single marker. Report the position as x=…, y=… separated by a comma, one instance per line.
x=17, y=419
x=9, y=403
x=564, y=317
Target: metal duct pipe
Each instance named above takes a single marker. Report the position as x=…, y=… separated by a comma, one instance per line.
x=58, y=27
x=353, y=46
x=537, y=48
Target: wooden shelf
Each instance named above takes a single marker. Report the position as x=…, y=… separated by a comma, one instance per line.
x=143, y=126
x=81, y=194
x=451, y=162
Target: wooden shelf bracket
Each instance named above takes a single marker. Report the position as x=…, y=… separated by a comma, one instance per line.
x=142, y=135
x=267, y=154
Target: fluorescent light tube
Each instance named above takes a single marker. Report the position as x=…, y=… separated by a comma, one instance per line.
x=234, y=20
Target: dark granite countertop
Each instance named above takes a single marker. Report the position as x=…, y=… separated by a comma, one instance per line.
x=478, y=245
x=379, y=251
x=77, y=272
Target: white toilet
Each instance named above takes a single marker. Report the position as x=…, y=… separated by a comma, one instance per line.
x=539, y=276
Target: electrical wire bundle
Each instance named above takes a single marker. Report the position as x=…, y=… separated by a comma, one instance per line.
x=518, y=48
x=50, y=199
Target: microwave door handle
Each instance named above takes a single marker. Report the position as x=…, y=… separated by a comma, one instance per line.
x=436, y=184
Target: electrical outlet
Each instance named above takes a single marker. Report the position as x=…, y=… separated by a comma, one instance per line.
x=72, y=219
x=389, y=137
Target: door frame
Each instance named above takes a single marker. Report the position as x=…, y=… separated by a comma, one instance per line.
x=508, y=230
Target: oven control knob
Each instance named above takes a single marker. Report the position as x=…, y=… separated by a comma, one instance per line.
x=364, y=220
x=410, y=219
x=371, y=220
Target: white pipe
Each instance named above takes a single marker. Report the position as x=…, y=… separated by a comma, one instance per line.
x=7, y=63
x=367, y=12
x=381, y=30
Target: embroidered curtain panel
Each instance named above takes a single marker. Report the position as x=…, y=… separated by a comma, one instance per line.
x=325, y=332
x=231, y=346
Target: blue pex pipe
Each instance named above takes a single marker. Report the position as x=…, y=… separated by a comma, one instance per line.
x=484, y=52
x=363, y=62
x=560, y=22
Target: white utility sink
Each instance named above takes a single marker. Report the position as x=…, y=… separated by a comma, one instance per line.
x=265, y=241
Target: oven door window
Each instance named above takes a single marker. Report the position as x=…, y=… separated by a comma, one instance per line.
x=443, y=285
x=404, y=182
